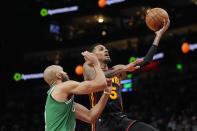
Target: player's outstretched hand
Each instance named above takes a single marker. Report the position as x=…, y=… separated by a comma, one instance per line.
x=132, y=66
x=164, y=28
x=90, y=58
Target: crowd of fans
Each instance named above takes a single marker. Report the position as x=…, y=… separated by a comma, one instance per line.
x=169, y=106
x=167, y=101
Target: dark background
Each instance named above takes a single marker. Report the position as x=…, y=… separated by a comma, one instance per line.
x=162, y=95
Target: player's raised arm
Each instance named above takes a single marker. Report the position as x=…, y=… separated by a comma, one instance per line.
x=85, y=87
x=88, y=72
x=153, y=49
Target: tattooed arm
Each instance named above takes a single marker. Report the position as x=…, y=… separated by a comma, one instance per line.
x=89, y=73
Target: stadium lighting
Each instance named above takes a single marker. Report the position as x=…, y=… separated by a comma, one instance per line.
x=100, y=20
x=179, y=66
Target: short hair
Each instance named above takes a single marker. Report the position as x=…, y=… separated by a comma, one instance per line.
x=91, y=48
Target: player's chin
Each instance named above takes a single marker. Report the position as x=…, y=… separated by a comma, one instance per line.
x=107, y=60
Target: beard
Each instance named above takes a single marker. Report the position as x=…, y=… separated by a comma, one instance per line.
x=107, y=61
x=64, y=78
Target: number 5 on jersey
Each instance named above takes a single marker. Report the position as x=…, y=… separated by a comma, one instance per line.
x=114, y=94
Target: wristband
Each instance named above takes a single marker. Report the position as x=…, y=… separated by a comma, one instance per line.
x=107, y=93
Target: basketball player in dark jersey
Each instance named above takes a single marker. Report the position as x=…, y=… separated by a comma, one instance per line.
x=113, y=118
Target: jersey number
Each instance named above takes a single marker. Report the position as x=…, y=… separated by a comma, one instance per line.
x=114, y=94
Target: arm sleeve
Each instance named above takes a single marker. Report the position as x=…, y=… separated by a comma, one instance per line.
x=149, y=56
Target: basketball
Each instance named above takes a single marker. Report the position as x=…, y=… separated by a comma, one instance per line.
x=155, y=18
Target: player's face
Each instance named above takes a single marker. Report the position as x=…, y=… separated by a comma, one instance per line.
x=64, y=75
x=102, y=53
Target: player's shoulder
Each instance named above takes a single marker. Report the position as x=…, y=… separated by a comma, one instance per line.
x=85, y=66
x=85, y=63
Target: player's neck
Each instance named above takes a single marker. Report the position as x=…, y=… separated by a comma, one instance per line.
x=103, y=66
x=56, y=83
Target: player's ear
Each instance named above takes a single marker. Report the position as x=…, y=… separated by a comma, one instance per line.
x=58, y=75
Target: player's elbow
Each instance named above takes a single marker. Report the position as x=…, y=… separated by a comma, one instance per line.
x=92, y=119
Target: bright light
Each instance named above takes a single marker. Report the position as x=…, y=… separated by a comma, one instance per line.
x=103, y=33
x=179, y=66
x=79, y=70
x=127, y=85
x=31, y=76
x=54, y=29
x=193, y=46
x=132, y=59
x=126, y=90
x=126, y=81
x=101, y=3
x=109, y=2
x=100, y=20
x=186, y=47
x=129, y=76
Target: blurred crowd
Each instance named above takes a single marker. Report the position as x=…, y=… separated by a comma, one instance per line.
x=168, y=103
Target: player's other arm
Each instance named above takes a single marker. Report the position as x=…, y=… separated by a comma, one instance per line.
x=89, y=73
x=90, y=116
x=153, y=49
x=97, y=84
